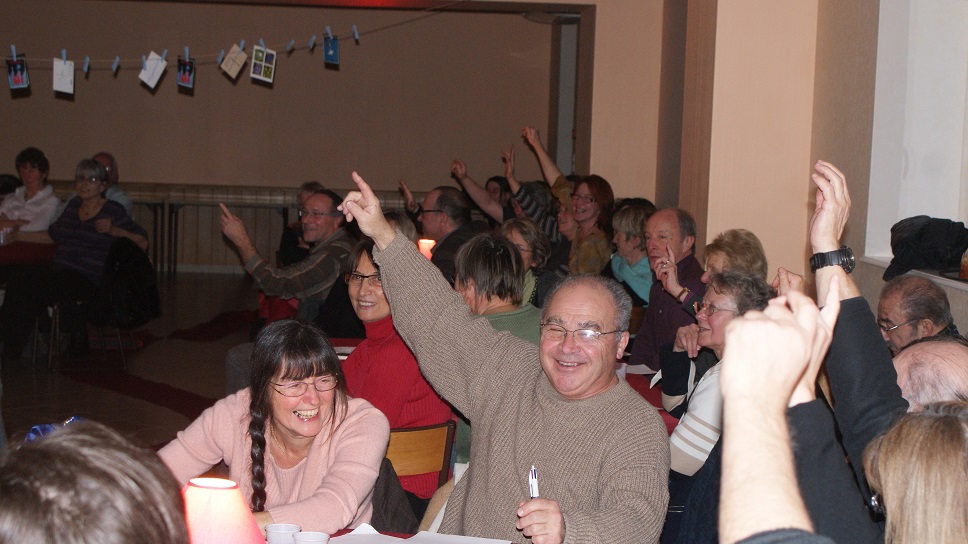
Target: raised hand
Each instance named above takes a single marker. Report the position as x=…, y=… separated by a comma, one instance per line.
x=832, y=210
x=668, y=275
x=458, y=169
x=530, y=135
x=786, y=281
x=408, y=200
x=233, y=227
x=364, y=207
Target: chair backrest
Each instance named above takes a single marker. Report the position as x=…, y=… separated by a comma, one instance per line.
x=422, y=449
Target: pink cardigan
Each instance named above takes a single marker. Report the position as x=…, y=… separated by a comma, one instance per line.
x=332, y=488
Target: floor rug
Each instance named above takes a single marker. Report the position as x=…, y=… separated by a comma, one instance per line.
x=217, y=328
x=186, y=403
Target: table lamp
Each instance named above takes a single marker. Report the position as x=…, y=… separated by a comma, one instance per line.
x=425, y=246
x=216, y=512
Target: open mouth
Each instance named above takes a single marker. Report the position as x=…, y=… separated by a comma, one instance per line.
x=306, y=414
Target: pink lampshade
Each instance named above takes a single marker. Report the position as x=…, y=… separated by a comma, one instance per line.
x=425, y=246
x=216, y=512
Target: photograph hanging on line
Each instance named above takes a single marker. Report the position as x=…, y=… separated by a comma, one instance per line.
x=263, y=64
x=17, y=76
x=186, y=72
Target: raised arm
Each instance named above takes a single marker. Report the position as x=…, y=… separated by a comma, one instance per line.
x=770, y=358
x=480, y=196
x=863, y=381
x=458, y=354
x=549, y=169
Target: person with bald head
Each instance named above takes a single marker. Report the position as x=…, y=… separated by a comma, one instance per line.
x=670, y=237
x=911, y=308
x=933, y=369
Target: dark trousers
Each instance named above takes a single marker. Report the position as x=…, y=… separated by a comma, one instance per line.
x=30, y=290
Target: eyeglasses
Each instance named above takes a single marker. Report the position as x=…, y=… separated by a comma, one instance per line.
x=298, y=389
x=429, y=211
x=316, y=215
x=86, y=179
x=354, y=278
x=887, y=329
x=582, y=336
x=587, y=199
x=710, y=309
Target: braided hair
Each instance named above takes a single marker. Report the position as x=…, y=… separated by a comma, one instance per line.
x=286, y=350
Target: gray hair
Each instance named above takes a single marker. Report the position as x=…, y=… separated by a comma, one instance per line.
x=621, y=299
x=90, y=168
x=920, y=298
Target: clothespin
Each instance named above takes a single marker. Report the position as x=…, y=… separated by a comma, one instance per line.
x=221, y=56
x=242, y=45
x=186, y=53
x=144, y=63
x=329, y=32
x=164, y=54
x=13, y=51
x=64, y=56
x=87, y=64
x=117, y=62
x=262, y=44
x=291, y=43
x=356, y=35
x=312, y=42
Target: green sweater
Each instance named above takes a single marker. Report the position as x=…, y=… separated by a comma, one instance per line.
x=604, y=459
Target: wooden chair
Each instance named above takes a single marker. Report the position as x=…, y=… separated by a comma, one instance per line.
x=422, y=449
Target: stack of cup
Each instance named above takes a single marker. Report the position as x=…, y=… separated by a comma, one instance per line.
x=310, y=536
x=281, y=533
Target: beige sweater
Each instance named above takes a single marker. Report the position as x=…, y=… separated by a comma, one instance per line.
x=604, y=459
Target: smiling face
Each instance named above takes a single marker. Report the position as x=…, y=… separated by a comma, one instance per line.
x=302, y=417
x=579, y=370
x=369, y=301
x=88, y=188
x=317, y=228
x=586, y=209
x=662, y=233
x=712, y=326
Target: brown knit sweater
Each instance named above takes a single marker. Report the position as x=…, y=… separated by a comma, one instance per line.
x=604, y=459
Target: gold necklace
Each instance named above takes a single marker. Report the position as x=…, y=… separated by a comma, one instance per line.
x=283, y=448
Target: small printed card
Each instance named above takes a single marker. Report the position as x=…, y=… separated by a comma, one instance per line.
x=17, y=76
x=263, y=64
x=233, y=61
x=153, y=69
x=64, y=76
x=331, y=50
x=186, y=72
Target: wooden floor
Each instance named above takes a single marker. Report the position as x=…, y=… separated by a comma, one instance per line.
x=37, y=395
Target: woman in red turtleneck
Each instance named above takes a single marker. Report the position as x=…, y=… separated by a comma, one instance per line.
x=383, y=371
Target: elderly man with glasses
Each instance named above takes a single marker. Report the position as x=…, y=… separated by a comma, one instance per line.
x=309, y=280
x=600, y=451
x=911, y=308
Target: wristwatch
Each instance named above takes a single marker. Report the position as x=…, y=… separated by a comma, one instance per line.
x=842, y=257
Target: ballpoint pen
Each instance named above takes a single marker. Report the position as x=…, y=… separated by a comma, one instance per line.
x=533, y=482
